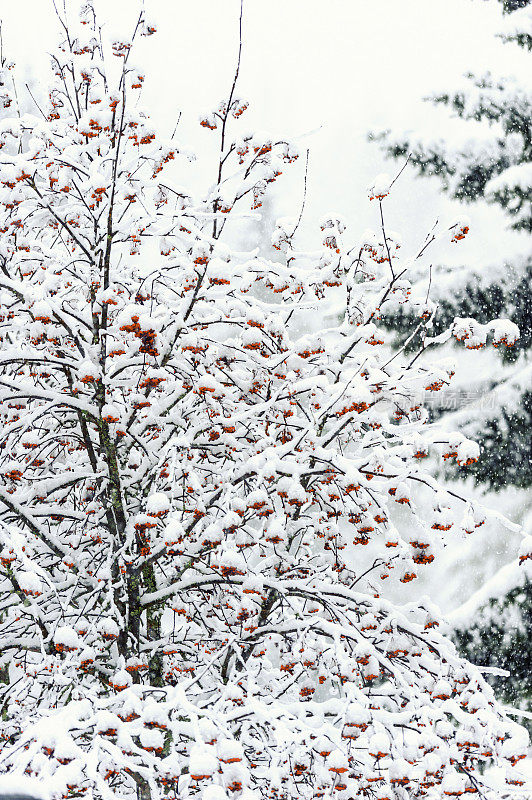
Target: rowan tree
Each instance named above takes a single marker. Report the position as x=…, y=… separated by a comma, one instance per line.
x=199, y=488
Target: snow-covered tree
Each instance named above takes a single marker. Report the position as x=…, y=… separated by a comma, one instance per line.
x=199, y=487
x=486, y=153
x=498, y=635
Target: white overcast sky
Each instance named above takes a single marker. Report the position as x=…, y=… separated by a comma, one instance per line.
x=322, y=71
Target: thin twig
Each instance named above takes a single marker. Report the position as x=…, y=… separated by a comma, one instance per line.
x=386, y=240
x=430, y=282
x=401, y=170
x=177, y=123
x=304, y=195
x=226, y=115
x=35, y=101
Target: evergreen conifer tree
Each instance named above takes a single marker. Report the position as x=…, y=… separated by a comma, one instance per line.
x=495, y=164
